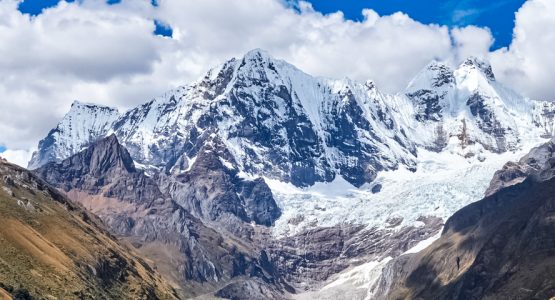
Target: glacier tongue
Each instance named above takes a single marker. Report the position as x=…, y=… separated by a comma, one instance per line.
x=442, y=184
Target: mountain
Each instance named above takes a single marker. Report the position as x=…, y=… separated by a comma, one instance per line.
x=470, y=106
x=209, y=231
x=261, y=181
x=304, y=134
x=281, y=123
x=164, y=218
x=321, y=128
x=497, y=248
x=82, y=125
x=53, y=248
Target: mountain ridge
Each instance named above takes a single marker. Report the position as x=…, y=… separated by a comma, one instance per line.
x=324, y=128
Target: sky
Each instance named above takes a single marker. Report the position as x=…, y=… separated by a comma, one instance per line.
x=497, y=15
x=125, y=52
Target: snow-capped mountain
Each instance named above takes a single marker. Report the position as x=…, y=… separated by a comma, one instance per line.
x=276, y=120
x=470, y=108
x=285, y=164
x=284, y=124
x=82, y=125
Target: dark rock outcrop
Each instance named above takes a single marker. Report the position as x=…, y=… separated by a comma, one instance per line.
x=212, y=190
x=104, y=179
x=538, y=162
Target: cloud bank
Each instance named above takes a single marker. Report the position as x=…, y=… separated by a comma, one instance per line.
x=108, y=54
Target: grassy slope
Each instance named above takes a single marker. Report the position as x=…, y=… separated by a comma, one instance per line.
x=52, y=248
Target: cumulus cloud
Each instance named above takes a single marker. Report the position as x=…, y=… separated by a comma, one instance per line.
x=528, y=64
x=108, y=54
x=387, y=49
x=471, y=41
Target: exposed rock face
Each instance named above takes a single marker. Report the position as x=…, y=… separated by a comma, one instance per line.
x=480, y=65
x=537, y=163
x=428, y=91
x=310, y=258
x=498, y=248
x=53, y=248
x=212, y=189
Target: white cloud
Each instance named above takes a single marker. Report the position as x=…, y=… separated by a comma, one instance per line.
x=107, y=54
x=528, y=65
x=387, y=49
x=471, y=41
x=18, y=157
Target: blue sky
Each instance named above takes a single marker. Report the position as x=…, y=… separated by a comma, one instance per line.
x=497, y=15
x=2, y=148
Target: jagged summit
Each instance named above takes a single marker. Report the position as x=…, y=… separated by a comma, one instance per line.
x=83, y=124
x=481, y=65
x=433, y=76
x=77, y=104
x=257, y=54
x=436, y=74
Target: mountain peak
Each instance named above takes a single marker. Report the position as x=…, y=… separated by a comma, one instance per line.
x=109, y=153
x=434, y=75
x=435, y=64
x=82, y=124
x=481, y=65
x=257, y=53
x=259, y=59
x=77, y=104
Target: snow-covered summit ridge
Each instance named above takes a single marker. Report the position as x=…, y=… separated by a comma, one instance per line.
x=477, y=64
x=276, y=120
x=83, y=124
x=468, y=107
x=284, y=124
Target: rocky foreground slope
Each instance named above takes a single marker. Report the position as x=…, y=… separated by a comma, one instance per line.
x=51, y=248
x=501, y=247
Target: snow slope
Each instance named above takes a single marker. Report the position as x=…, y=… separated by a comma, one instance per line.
x=442, y=184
